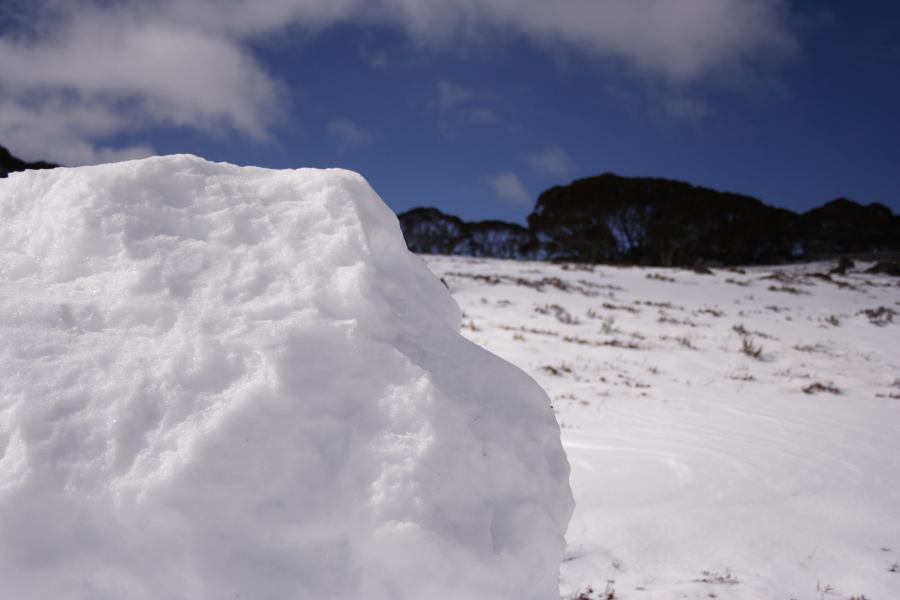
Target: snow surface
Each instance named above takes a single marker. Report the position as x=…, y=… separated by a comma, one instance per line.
x=700, y=471
x=221, y=382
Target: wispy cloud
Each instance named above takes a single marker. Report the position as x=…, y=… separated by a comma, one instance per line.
x=507, y=187
x=373, y=55
x=458, y=106
x=347, y=134
x=681, y=106
x=553, y=161
x=189, y=63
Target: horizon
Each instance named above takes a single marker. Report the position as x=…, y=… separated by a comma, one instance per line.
x=524, y=220
x=473, y=111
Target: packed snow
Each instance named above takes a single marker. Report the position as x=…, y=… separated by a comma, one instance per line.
x=732, y=435
x=223, y=382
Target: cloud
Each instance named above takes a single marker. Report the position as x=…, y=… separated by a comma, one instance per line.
x=370, y=53
x=681, y=106
x=458, y=106
x=190, y=63
x=507, y=187
x=101, y=72
x=348, y=134
x=552, y=160
x=59, y=131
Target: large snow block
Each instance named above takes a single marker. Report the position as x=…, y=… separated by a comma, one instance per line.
x=224, y=382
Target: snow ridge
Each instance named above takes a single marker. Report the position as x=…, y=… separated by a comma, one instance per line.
x=220, y=381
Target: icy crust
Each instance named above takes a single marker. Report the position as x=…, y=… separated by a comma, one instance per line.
x=225, y=382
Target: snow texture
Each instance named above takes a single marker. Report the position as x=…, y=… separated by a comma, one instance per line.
x=224, y=382
x=699, y=469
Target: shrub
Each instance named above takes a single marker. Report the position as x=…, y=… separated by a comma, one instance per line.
x=748, y=348
x=880, y=316
x=817, y=387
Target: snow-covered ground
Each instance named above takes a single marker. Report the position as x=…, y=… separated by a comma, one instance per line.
x=731, y=435
x=221, y=382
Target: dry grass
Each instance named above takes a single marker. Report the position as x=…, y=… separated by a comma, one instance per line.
x=880, y=316
x=751, y=350
x=742, y=283
x=557, y=371
x=667, y=320
x=744, y=332
x=561, y=314
x=727, y=578
x=612, y=343
x=788, y=289
x=820, y=388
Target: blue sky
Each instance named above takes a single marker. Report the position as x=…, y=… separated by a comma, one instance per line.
x=473, y=107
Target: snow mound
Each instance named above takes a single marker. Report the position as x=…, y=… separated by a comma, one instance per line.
x=230, y=382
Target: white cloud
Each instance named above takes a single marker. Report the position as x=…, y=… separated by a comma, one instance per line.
x=458, y=106
x=100, y=72
x=507, y=187
x=552, y=160
x=60, y=131
x=348, y=134
x=188, y=63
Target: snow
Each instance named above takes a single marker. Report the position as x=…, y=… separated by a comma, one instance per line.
x=700, y=471
x=224, y=382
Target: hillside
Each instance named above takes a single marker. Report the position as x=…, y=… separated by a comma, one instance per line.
x=733, y=435
x=653, y=221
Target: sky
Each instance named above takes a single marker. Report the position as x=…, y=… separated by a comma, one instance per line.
x=472, y=106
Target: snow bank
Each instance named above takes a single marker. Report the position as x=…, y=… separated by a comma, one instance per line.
x=223, y=382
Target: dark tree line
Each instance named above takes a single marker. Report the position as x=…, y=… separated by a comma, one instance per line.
x=657, y=221
x=10, y=164
x=430, y=231
x=651, y=221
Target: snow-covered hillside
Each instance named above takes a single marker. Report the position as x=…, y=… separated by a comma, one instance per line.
x=732, y=435
x=220, y=382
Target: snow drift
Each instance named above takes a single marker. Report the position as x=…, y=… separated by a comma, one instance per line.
x=225, y=382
